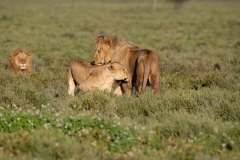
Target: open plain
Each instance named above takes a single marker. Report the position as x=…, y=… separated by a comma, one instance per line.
x=195, y=116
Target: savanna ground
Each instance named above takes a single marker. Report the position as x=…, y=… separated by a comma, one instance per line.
x=195, y=116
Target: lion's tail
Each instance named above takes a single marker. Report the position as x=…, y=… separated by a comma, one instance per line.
x=147, y=68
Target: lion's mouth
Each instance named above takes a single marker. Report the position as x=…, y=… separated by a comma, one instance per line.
x=22, y=67
x=126, y=79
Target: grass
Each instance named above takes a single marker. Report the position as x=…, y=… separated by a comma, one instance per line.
x=195, y=116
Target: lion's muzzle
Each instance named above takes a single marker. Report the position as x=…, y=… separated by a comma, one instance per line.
x=22, y=65
x=126, y=79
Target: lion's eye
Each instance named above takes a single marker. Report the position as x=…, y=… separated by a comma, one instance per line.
x=99, y=51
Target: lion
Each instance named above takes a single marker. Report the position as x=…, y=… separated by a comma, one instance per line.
x=143, y=64
x=147, y=71
x=90, y=77
x=20, y=62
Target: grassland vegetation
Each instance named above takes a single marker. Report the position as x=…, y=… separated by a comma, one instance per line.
x=196, y=115
x=178, y=3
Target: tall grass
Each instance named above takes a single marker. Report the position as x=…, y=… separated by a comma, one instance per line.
x=195, y=116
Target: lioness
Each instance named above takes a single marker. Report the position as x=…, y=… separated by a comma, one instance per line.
x=20, y=62
x=147, y=71
x=89, y=77
x=141, y=63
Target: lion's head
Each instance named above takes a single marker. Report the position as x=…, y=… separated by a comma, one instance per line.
x=20, y=61
x=110, y=48
x=119, y=72
x=102, y=53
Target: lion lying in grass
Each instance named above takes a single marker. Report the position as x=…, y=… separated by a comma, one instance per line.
x=20, y=62
x=90, y=77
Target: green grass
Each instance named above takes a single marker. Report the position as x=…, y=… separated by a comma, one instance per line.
x=195, y=116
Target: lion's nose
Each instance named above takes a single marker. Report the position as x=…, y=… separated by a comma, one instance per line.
x=92, y=63
x=23, y=62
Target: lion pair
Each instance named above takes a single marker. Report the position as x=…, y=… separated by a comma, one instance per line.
x=133, y=66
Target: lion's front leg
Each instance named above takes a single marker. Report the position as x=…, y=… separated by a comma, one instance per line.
x=118, y=91
x=126, y=88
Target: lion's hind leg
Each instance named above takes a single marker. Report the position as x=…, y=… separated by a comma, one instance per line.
x=140, y=76
x=154, y=82
x=154, y=78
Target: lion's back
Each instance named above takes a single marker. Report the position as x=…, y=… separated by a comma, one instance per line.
x=80, y=70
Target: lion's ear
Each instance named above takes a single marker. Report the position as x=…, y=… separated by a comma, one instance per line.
x=135, y=48
x=108, y=41
x=110, y=67
x=14, y=54
x=29, y=54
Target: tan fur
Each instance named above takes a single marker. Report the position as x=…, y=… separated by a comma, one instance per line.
x=20, y=62
x=115, y=49
x=147, y=71
x=90, y=77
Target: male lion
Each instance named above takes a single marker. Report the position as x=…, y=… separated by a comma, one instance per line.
x=20, y=62
x=89, y=77
x=142, y=64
